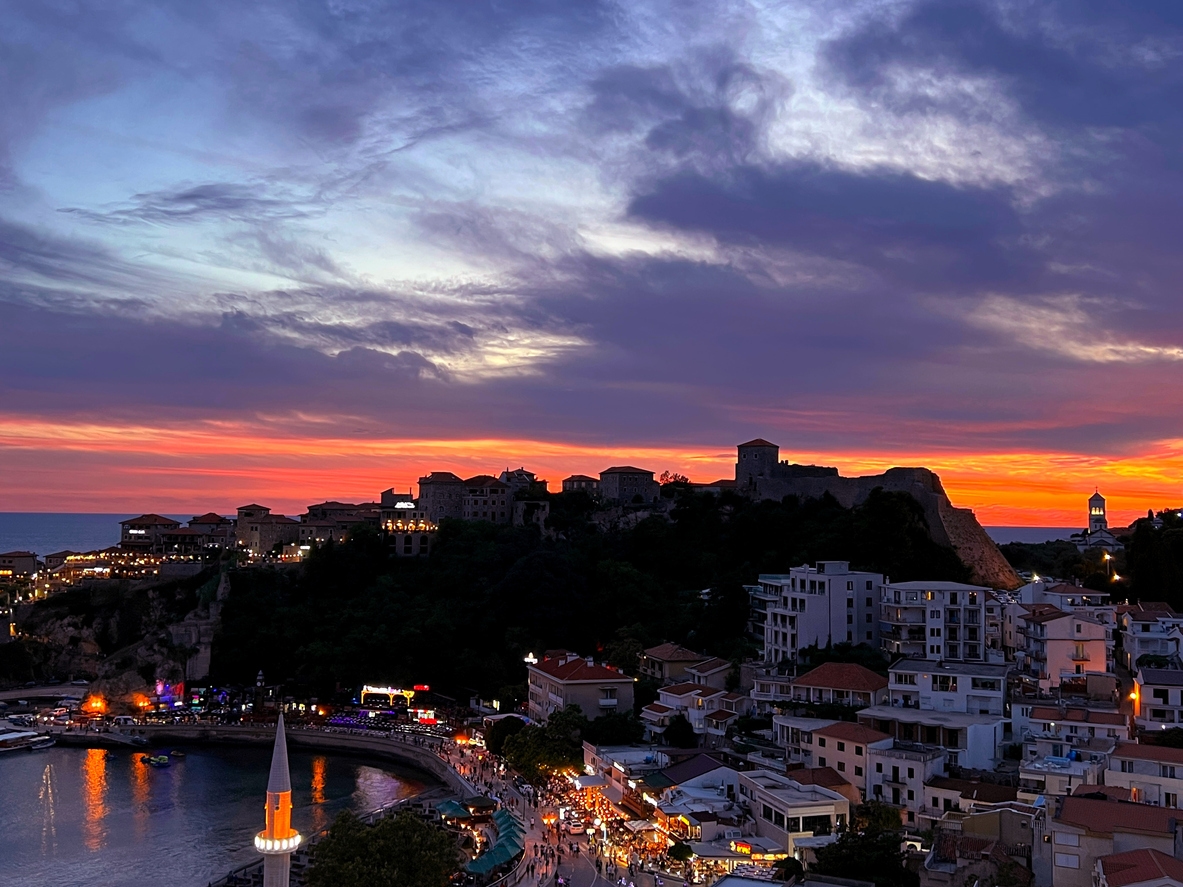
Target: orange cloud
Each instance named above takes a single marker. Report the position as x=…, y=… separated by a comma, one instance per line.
x=93, y=466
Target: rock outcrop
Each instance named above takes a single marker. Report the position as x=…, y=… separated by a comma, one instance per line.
x=760, y=474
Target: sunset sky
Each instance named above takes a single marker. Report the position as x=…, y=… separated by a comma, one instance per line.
x=289, y=251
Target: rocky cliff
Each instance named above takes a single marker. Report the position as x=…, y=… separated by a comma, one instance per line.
x=948, y=525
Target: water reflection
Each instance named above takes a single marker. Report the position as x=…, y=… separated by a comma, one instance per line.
x=94, y=798
x=140, y=790
x=48, y=797
x=320, y=766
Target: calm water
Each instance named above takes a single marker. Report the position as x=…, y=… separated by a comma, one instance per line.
x=47, y=532
x=76, y=817
x=1029, y=535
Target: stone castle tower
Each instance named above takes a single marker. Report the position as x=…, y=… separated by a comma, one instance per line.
x=278, y=840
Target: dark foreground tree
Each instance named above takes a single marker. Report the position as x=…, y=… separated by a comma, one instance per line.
x=872, y=855
x=399, y=851
x=501, y=731
x=680, y=734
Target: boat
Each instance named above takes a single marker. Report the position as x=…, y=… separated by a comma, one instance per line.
x=177, y=753
x=24, y=741
x=159, y=761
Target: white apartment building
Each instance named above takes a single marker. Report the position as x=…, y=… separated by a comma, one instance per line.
x=1058, y=646
x=796, y=736
x=1158, y=698
x=709, y=710
x=898, y=775
x=972, y=688
x=825, y=604
x=1066, y=725
x=785, y=810
x=844, y=747
x=1150, y=629
x=1152, y=773
x=941, y=620
x=971, y=740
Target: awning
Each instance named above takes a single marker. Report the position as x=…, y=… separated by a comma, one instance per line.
x=639, y=825
x=451, y=810
x=613, y=794
x=586, y=781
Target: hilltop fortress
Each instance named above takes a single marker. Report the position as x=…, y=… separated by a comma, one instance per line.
x=760, y=474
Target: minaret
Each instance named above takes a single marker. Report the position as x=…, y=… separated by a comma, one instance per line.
x=278, y=840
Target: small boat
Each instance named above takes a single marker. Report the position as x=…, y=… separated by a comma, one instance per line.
x=159, y=761
x=24, y=741
x=177, y=753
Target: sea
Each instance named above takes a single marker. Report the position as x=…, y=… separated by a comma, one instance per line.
x=1029, y=535
x=43, y=532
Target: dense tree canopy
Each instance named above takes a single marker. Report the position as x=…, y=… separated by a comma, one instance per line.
x=463, y=618
x=399, y=851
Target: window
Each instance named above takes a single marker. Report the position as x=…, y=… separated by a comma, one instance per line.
x=934, y=614
x=841, y=746
x=911, y=795
x=868, y=585
x=879, y=768
x=1067, y=839
x=841, y=766
x=1170, y=799
x=778, y=819
x=944, y=683
x=911, y=772
x=858, y=771
x=984, y=684
x=858, y=750
x=870, y=602
x=849, y=603
x=1166, y=770
x=934, y=633
x=821, y=741
x=1068, y=860
x=849, y=619
x=850, y=586
x=821, y=762
x=766, y=812
x=953, y=598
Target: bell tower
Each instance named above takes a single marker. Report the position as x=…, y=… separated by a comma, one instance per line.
x=278, y=840
x=1097, y=519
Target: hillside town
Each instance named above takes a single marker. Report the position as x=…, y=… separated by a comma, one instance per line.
x=1015, y=729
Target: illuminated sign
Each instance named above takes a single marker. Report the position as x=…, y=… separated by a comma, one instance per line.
x=404, y=505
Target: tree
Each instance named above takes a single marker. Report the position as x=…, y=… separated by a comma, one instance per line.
x=401, y=850
x=672, y=477
x=877, y=816
x=680, y=734
x=501, y=731
x=616, y=728
x=680, y=852
x=539, y=752
x=788, y=868
x=871, y=855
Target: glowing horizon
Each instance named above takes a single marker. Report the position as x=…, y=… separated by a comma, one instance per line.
x=223, y=465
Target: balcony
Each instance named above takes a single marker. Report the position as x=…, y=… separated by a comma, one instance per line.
x=608, y=703
x=1081, y=656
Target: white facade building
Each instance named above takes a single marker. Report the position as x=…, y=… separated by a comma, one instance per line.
x=825, y=604
x=971, y=688
x=941, y=620
x=1158, y=698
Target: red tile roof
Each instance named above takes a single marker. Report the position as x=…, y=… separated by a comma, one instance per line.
x=721, y=715
x=1144, y=752
x=674, y=653
x=850, y=732
x=153, y=520
x=208, y=518
x=625, y=469
x=842, y=676
x=657, y=708
x=1136, y=866
x=1115, y=792
x=441, y=477
x=714, y=664
x=577, y=669
x=826, y=777
x=485, y=480
x=687, y=689
x=1079, y=715
x=1106, y=817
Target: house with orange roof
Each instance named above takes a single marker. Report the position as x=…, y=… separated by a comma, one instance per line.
x=144, y=533
x=845, y=746
x=596, y=689
x=1152, y=773
x=1082, y=830
x=667, y=663
x=841, y=683
x=1139, y=868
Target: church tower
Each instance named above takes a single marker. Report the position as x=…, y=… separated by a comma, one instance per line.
x=278, y=840
x=1097, y=520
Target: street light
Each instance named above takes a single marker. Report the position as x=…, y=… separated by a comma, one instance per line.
x=531, y=659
